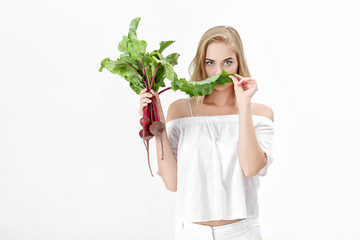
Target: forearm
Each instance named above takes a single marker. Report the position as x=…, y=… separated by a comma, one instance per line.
x=167, y=166
x=251, y=156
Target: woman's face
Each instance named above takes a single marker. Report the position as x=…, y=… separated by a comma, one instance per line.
x=219, y=56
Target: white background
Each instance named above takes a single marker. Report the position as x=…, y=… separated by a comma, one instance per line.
x=72, y=165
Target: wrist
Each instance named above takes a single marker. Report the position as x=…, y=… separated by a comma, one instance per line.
x=243, y=103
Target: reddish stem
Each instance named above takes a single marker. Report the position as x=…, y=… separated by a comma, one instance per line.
x=152, y=80
x=139, y=64
x=147, y=149
x=136, y=72
x=156, y=113
x=151, y=113
x=146, y=79
x=145, y=112
x=129, y=66
x=165, y=89
x=150, y=109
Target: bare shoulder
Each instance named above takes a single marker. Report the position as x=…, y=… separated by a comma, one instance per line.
x=178, y=109
x=263, y=110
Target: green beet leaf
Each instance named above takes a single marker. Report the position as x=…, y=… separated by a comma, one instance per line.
x=204, y=87
x=165, y=44
x=133, y=27
x=140, y=68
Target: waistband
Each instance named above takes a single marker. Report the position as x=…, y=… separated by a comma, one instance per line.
x=242, y=224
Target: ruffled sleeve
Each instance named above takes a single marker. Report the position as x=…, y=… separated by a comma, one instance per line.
x=173, y=134
x=264, y=130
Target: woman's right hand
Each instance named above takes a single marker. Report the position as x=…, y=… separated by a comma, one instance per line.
x=147, y=97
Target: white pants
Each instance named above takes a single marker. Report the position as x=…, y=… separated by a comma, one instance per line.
x=246, y=229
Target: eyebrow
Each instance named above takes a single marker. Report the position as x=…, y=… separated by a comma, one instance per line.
x=227, y=59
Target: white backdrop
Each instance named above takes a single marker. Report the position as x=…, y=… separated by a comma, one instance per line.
x=72, y=165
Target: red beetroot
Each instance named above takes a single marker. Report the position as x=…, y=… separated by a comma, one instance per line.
x=146, y=134
x=157, y=128
x=145, y=121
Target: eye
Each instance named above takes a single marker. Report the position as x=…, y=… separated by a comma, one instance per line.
x=227, y=62
x=210, y=63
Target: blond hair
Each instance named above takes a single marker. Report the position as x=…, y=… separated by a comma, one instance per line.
x=217, y=34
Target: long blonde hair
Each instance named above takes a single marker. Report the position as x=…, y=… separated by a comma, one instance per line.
x=219, y=33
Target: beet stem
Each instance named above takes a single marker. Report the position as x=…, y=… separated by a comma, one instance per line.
x=146, y=85
x=156, y=114
x=165, y=89
x=152, y=80
x=145, y=113
x=129, y=66
x=139, y=65
x=146, y=78
x=151, y=112
x=147, y=149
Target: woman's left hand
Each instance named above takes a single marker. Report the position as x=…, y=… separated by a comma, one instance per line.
x=244, y=88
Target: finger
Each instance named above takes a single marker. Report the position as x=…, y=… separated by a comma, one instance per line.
x=239, y=76
x=249, y=79
x=232, y=77
x=142, y=106
x=153, y=92
x=142, y=91
x=245, y=80
x=145, y=101
x=235, y=80
x=146, y=95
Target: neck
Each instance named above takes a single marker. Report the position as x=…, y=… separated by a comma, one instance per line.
x=221, y=98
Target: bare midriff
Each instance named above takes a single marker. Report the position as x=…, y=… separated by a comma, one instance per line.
x=218, y=222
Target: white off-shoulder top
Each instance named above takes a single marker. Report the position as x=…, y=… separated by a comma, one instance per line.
x=210, y=182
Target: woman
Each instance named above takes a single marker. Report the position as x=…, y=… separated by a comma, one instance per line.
x=216, y=146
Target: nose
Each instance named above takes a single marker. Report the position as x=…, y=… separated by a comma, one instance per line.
x=219, y=69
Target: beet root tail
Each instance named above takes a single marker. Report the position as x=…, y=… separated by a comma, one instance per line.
x=147, y=149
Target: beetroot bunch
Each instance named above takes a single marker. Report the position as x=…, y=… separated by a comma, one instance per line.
x=144, y=70
x=151, y=126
